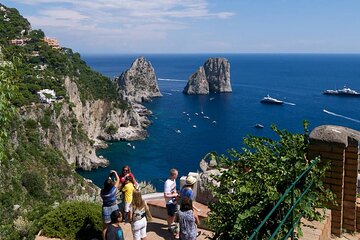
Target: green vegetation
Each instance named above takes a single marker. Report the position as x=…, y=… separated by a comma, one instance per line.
x=6, y=109
x=256, y=178
x=111, y=129
x=12, y=29
x=33, y=176
x=43, y=67
x=73, y=220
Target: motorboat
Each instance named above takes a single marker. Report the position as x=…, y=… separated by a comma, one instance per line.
x=258, y=125
x=194, y=126
x=345, y=91
x=177, y=131
x=270, y=100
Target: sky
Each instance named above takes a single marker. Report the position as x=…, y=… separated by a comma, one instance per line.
x=197, y=26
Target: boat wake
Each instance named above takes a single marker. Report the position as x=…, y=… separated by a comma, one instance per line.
x=289, y=103
x=175, y=90
x=171, y=80
x=167, y=93
x=342, y=116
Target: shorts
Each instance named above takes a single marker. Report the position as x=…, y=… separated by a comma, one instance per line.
x=127, y=207
x=139, y=228
x=171, y=209
x=106, y=212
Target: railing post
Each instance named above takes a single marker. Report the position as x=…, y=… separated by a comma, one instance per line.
x=292, y=213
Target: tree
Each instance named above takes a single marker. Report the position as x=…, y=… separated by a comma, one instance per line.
x=6, y=93
x=252, y=182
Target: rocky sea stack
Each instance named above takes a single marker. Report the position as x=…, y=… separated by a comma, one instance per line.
x=213, y=77
x=139, y=83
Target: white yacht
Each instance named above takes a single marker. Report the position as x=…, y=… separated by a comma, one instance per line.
x=271, y=100
x=345, y=91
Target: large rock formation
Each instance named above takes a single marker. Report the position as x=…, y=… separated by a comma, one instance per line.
x=197, y=83
x=139, y=83
x=213, y=77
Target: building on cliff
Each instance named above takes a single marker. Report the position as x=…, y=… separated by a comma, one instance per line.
x=52, y=42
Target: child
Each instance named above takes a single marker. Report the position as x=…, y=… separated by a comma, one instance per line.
x=128, y=190
x=114, y=231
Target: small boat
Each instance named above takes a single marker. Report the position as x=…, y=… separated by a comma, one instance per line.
x=213, y=122
x=258, y=125
x=202, y=112
x=177, y=131
x=211, y=98
x=194, y=126
x=133, y=147
x=345, y=91
x=270, y=100
x=196, y=114
x=129, y=144
x=206, y=117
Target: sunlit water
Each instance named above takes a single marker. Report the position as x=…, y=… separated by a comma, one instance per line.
x=173, y=140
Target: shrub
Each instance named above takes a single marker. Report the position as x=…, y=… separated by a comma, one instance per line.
x=73, y=220
x=254, y=181
x=34, y=184
x=111, y=129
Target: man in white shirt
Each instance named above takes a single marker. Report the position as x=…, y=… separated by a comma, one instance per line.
x=170, y=195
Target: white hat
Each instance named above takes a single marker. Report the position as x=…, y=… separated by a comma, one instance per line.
x=190, y=180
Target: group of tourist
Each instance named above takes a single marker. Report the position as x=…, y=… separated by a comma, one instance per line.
x=133, y=210
x=181, y=222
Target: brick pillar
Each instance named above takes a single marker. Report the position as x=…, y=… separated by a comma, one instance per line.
x=334, y=178
x=358, y=214
x=350, y=185
x=339, y=146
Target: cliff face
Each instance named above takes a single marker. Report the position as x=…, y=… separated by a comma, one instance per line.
x=217, y=71
x=197, y=83
x=213, y=77
x=77, y=129
x=139, y=83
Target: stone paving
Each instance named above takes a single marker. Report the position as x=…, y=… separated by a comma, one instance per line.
x=347, y=236
x=156, y=230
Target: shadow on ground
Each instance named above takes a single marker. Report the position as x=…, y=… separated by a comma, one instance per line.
x=159, y=229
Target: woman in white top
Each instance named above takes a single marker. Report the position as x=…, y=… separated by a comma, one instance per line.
x=138, y=214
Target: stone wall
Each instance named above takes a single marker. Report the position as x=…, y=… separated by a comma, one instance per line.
x=339, y=146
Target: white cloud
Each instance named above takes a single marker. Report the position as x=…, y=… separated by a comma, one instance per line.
x=133, y=21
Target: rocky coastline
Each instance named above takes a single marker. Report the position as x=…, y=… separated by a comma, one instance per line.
x=78, y=128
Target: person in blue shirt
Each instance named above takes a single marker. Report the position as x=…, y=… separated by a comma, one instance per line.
x=108, y=195
x=187, y=190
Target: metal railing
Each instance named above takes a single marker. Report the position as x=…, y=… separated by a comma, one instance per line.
x=290, y=213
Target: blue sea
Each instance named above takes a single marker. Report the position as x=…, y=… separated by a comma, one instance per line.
x=297, y=79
